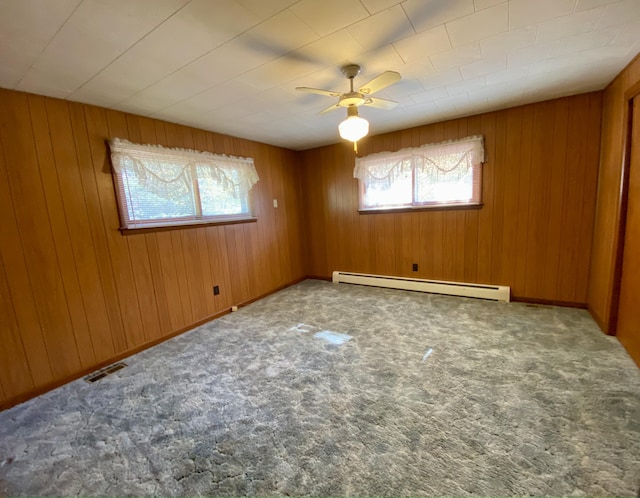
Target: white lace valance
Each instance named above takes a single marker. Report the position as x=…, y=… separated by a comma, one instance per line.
x=158, y=167
x=452, y=158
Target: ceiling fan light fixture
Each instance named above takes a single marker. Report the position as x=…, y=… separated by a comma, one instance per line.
x=354, y=127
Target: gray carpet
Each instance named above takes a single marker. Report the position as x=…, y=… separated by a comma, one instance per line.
x=326, y=389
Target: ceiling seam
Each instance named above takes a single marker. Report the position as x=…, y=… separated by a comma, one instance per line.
x=48, y=43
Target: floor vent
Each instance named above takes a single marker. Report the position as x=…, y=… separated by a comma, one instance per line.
x=100, y=374
x=494, y=292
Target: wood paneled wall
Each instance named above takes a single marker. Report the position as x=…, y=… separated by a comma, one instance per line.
x=74, y=291
x=606, y=242
x=533, y=233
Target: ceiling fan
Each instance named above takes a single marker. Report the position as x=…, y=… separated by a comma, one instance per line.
x=354, y=127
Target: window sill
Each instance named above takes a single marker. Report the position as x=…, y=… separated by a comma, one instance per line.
x=189, y=224
x=410, y=209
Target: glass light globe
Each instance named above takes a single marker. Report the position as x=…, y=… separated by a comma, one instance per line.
x=353, y=128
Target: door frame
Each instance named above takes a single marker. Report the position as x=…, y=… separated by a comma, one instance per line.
x=623, y=202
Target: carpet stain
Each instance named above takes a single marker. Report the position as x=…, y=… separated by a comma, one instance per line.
x=332, y=337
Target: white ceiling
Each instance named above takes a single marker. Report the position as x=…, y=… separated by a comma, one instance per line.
x=232, y=66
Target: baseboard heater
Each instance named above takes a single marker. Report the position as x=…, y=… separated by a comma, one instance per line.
x=494, y=292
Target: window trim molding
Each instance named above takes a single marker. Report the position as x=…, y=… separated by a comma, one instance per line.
x=151, y=228
x=188, y=159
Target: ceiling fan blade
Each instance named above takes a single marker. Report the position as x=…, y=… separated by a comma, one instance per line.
x=380, y=103
x=330, y=108
x=328, y=93
x=379, y=82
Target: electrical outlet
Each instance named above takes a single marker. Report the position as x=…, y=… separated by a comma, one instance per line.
x=415, y=266
x=216, y=290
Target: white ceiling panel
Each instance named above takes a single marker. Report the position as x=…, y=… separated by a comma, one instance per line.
x=581, y=22
x=26, y=27
x=526, y=12
x=424, y=15
x=327, y=16
x=94, y=35
x=417, y=47
x=232, y=65
x=485, y=4
x=482, y=24
x=382, y=28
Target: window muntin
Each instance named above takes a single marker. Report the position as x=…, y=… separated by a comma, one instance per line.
x=433, y=175
x=158, y=186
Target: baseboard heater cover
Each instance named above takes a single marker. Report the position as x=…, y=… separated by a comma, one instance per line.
x=494, y=292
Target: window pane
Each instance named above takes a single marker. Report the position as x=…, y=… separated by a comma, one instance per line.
x=435, y=185
x=395, y=192
x=219, y=197
x=151, y=198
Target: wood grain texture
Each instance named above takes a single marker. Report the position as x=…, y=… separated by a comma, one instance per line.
x=628, y=329
x=75, y=292
x=533, y=232
x=606, y=248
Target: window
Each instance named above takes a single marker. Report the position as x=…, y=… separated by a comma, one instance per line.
x=158, y=186
x=433, y=175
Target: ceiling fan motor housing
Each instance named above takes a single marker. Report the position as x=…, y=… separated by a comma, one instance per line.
x=352, y=99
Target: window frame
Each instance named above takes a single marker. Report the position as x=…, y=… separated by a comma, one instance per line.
x=127, y=225
x=474, y=203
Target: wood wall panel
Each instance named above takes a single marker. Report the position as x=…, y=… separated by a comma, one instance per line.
x=606, y=241
x=74, y=291
x=539, y=188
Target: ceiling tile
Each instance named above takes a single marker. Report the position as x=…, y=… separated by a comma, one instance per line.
x=424, y=15
x=96, y=34
x=465, y=86
x=454, y=102
x=441, y=78
x=485, y=66
x=280, y=34
x=26, y=27
x=485, y=4
x=489, y=92
x=429, y=95
x=374, y=6
x=506, y=76
x=231, y=91
x=277, y=72
x=456, y=57
x=526, y=12
x=264, y=9
x=327, y=16
x=417, y=70
x=334, y=49
x=590, y=4
x=568, y=25
x=401, y=90
x=626, y=11
x=192, y=32
x=382, y=59
x=507, y=42
x=382, y=29
x=475, y=27
x=417, y=47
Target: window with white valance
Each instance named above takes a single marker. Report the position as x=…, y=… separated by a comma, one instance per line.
x=158, y=186
x=433, y=175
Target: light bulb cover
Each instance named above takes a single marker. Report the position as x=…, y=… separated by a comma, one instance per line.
x=353, y=128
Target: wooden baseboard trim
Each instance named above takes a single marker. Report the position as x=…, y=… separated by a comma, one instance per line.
x=549, y=302
x=21, y=398
x=315, y=277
